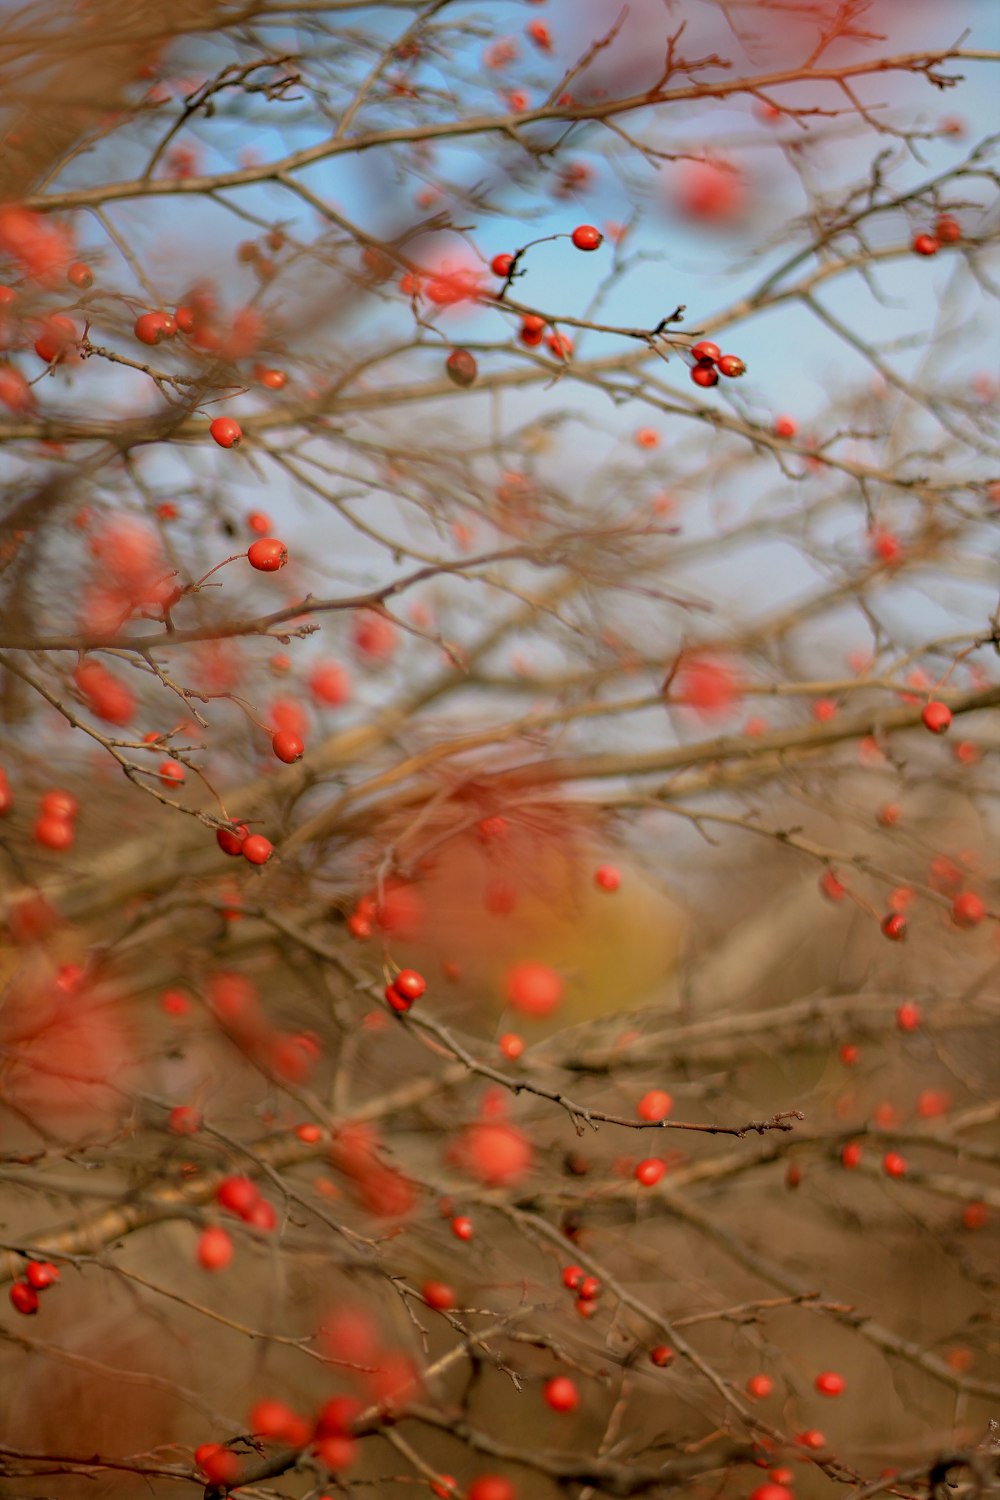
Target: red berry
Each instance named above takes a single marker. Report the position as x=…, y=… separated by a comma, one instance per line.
x=561, y=1393
x=501, y=264
x=607, y=877
x=220, y=1465
x=908, y=1016
x=771, y=1491
x=705, y=374
x=54, y=833
x=649, y=1172
x=149, y=329
x=706, y=350
x=461, y=1227
x=831, y=886
x=238, y=1194
x=894, y=1165
x=894, y=927
x=925, y=244
x=511, y=1045
x=259, y=523
x=226, y=431
x=532, y=330
x=573, y=1277
x=171, y=772
x=974, y=1216
x=461, y=368
x=396, y=1001
x=936, y=717
x=968, y=909
x=215, y=1249
x=257, y=849
x=287, y=746
x=410, y=984
x=731, y=365
x=491, y=1487
x=184, y=1120
x=589, y=1288
x=784, y=427
x=24, y=1298
x=438, y=1295
x=586, y=237
x=759, y=1387
x=829, y=1383
x=850, y=1155
x=41, y=1274
x=329, y=685
x=655, y=1105
x=267, y=555
x=57, y=334
x=947, y=230
x=662, y=1356
x=809, y=1439
x=445, y=1487
x=534, y=989
x=80, y=275
x=231, y=842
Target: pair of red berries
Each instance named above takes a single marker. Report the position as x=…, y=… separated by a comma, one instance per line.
x=54, y=828
x=407, y=987
x=710, y=363
x=254, y=847
x=39, y=1275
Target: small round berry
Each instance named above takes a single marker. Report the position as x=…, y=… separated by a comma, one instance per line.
x=238, y=1194
x=706, y=350
x=534, y=989
x=662, y=1356
x=80, y=275
x=771, y=1491
x=171, y=772
x=894, y=1165
x=925, y=244
x=589, y=1288
x=647, y=437
x=831, y=887
x=287, y=746
x=501, y=264
x=655, y=1105
x=850, y=1155
x=894, y=927
x=183, y=1119
x=811, y=1438
x=410, y=984
x=532, y=330
x=511, y=1045
x=54, y=833
x=397, y=1002
x=968, y=909
x=975, y=1215
x=947, y=231
x=462, y=1227
x=24, y=1298
x=784, y=427
x=759, y=1387
x=491, y=1487
x=936, y=717
x=561, y=1394
x=215, y=1249
x=461, y=368
x=148, y=328
x=573, y=1278
x=259, y=523
x=649, y=1172
x=607, y=877
x=230, y=841
x=705, y=374
x=41, y=1274
x=444, y=1487
x=731, y=366
x=59, y=804
x=257, y=849
x=438, y=1295
x=829, y=1383
x=267, y=555
x=226, y=431
x=908, y=1017
x=586, y=237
